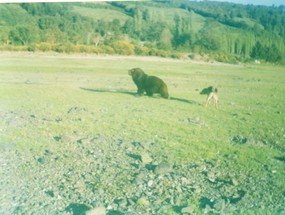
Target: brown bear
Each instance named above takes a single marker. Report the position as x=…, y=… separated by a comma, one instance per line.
x=148, y=84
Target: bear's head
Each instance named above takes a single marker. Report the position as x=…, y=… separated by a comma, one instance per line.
x=136, y=73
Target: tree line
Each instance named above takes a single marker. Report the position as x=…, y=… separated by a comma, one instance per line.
x=223, y=31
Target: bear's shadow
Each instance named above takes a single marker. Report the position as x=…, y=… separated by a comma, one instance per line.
x=109, y=91
x=135, y=94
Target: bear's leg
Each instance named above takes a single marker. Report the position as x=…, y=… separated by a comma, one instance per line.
x=149, y=92
x=140, y=91
x=164, y=92
x=163, y=95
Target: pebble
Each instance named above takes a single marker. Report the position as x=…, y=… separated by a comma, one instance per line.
x=150, y=183
x=163, y=168
x=96, y=211
x=109, y=183
x=187, y=210
x=235, y=182
x=146, y=159
x=143, y=201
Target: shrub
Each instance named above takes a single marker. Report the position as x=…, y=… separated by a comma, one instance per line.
x=108, y=50
x=191, y=56
x=142, y=50
x=124, y=48
x=177, y=55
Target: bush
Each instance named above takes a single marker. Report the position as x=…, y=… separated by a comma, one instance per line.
x=108, y=50
x=124, y=48
x=31, y=48
x=14, y=48
x=191, y=56
x=95, y=49
x=221, y=57
x=59, y=48
x=162, y=53
x=177, y=55
x=43, y=47
x=224, y=58
x=267, y=53
x=144, y=51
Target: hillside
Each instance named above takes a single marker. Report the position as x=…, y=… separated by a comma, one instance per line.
x=221, y=31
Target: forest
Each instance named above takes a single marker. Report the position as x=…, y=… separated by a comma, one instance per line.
x=224, y=32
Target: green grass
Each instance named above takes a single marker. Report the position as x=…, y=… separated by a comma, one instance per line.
x=168, y=14
x=157, y=14
x=43, y=97
x=100, y=13
x=250, y=97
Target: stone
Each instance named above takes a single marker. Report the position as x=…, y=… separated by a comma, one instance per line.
x=143, y=201
x=150, y=183
x=187, y=210
x=96, y=211
x=163, y=168
x=146, y=159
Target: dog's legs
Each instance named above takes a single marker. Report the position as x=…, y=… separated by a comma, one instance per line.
x=207, y=102
x=216, y=101
x=209, y=99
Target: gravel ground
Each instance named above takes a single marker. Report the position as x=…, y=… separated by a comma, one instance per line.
x=94, y=175
x=85, y=174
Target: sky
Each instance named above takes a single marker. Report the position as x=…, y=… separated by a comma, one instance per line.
x=257, y=2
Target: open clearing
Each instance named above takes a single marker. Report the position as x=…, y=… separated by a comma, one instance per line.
x=75, y=138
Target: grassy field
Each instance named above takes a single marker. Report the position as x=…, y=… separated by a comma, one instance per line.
x=99, y=13
x=157, y=14
x=45, y=99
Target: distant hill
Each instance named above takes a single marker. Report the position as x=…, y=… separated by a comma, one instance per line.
x=221, y=31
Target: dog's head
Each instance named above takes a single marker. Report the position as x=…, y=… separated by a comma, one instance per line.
x=208, y=90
